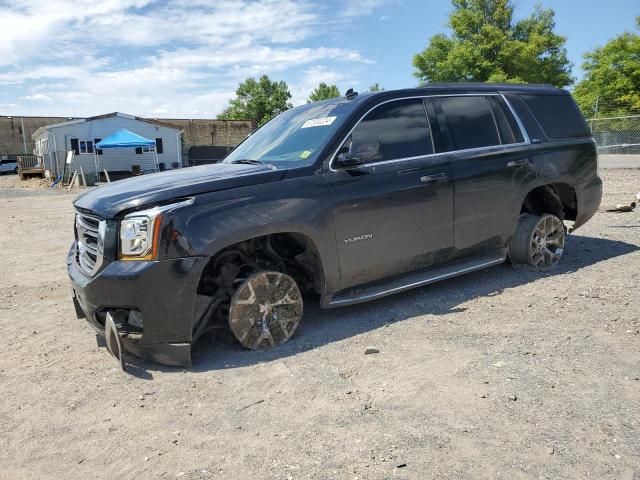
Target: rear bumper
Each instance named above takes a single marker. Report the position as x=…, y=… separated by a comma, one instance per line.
x=588, y=197
x=162, y=291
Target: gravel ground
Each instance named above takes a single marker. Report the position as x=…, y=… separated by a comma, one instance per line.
x=503, y=373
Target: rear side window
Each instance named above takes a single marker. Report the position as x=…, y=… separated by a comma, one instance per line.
x=470, y=122
x=394, y=130
x=558, y=115
x=507, y=125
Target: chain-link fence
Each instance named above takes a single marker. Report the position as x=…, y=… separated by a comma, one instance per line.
x=617, y=135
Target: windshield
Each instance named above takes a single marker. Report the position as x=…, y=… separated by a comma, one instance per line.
x=293, y=138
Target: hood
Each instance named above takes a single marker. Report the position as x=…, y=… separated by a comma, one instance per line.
x=109, y=200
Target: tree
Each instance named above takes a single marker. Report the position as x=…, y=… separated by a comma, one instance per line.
x=323, y=92
x=612, y=77
x=486, y=45
x=258, y=100
x=376, y=88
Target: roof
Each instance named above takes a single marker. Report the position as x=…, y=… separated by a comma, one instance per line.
x=466, y=87
x=100, y=117
x=447, y=88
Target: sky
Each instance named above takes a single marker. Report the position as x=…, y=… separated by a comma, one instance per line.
x=185, y=58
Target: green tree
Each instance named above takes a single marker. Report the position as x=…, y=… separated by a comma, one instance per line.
x=376, y=88
x=323, y=92
x=612, y=77
x=486, y=45
x=258, y=100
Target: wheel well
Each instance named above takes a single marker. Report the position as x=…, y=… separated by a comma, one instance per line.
x=558, y=199
x=291, y=253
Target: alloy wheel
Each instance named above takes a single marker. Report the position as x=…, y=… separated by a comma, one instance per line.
x=265, y=310
x=547, y=242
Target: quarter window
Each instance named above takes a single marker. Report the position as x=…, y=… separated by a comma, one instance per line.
x=394, y=130
x=558, y=115
x=470, y=121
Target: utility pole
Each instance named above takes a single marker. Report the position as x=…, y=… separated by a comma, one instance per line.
x=24, y=141
x=595, y=112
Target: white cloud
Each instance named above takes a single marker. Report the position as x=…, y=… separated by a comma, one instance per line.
x=149, y=57
x=362, y=7
x=37, y=97
x=316, y=74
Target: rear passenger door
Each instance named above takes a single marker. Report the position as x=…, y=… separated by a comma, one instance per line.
x=489, y=163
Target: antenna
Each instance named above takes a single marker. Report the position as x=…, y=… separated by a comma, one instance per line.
x=350, y=94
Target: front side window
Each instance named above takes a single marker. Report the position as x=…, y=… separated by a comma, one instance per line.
x=395, y=130
x=470, y=122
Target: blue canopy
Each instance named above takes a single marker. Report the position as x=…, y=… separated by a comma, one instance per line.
x=124, y=139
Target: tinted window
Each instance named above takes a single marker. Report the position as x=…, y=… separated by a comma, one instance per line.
x=507, y=125
x=470, y=121
x=531, y=125
x=558, y=115
x=398, y=129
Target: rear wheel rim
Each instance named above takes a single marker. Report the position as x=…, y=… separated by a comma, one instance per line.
x=265, y=310
x=547, y=242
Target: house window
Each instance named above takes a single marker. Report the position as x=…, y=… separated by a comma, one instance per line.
x=86, y=146
x=148, y=148
x=42, y=147
x=159, y=147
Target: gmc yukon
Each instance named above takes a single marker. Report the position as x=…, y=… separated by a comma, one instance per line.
x=353, y=198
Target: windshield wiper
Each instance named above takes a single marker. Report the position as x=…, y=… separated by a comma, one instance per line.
x=248, y=161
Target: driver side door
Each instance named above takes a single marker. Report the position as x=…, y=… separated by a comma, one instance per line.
x=393, y=203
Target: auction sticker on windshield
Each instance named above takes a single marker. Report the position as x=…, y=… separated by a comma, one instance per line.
x=318, y=122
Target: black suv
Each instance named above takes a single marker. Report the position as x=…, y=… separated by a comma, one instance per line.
x=354, y=198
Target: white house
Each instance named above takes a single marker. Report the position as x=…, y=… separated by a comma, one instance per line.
x=53, y=141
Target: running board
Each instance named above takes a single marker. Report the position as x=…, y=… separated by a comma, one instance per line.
x=372, y=291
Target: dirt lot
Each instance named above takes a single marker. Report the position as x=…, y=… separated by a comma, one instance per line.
x=504, y=373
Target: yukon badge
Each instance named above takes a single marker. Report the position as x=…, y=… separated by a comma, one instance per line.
x=364, y=236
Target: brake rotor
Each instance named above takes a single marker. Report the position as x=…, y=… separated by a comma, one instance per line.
x=265, y=310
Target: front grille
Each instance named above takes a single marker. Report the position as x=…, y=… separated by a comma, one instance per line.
x=90, y=232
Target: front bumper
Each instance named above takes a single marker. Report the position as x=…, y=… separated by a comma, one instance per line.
x=162, y=291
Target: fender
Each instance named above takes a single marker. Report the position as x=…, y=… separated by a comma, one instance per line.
x=219, y=219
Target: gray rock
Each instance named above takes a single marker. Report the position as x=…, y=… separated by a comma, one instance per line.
x=628, y=474
x=370, y=350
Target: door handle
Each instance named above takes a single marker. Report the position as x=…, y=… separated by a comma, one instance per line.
x=433, y=178
x=517, y=163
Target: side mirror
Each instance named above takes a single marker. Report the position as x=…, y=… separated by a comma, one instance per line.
x=349, y=160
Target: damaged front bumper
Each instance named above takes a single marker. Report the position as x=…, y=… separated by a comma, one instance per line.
x=161, y=292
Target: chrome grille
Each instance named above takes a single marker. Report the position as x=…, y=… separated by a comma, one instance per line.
x=90, y=232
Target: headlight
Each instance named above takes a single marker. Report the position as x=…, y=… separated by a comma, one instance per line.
x=139, y=236
x=140, y=232
x=136, y=235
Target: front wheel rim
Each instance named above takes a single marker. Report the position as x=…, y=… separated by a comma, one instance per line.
x=265, y=310
x=547, y=242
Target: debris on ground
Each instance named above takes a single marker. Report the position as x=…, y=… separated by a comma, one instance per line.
x=621, y=208
x=258, y=402
x=370, y=350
